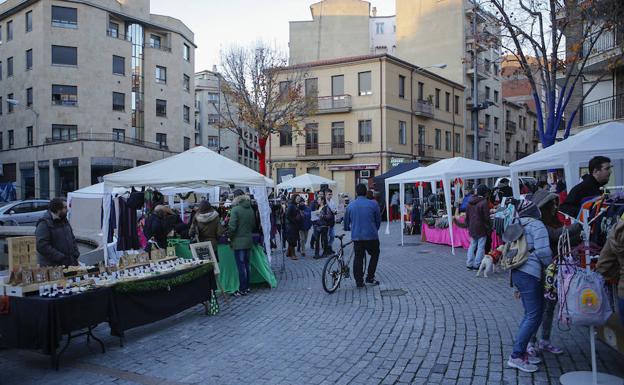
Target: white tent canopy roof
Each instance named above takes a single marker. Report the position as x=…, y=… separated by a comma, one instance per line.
x=606, y=140
x=310, y=181
x=95, y=191
x=197, y=167
x=457, y=167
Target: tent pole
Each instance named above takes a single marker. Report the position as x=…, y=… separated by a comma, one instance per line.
x=402, y=206
x=449, y=211
x=387, y=207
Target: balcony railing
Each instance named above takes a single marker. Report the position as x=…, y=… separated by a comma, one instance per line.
x=423, y=108
x=605, y=42
x=510, y=127
x=480, y=95
x=333, y=104
x=116, y=35
x=158, y=46
x=520, y=155
x=603, y=110
x=484, y=155
x=325, y=149
x=424, y=150
x=107, y=138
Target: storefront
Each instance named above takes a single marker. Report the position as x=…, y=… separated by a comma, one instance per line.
x=66, y=171
x=350, y=175
x=101, y=166
x=27, y=181
x=44, y=179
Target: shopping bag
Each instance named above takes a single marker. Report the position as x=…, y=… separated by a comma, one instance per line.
x=586, y=299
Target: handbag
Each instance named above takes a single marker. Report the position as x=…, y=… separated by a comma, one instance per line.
x=586, y=300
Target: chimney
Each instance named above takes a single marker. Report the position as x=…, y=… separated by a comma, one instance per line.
x=374, y=11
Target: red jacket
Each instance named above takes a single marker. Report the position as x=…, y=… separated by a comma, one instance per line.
x=478, y=217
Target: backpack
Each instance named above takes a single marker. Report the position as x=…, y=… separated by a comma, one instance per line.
x=516, y=249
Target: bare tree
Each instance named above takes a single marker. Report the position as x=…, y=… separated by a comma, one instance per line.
x=261, y=93
x=552, y=41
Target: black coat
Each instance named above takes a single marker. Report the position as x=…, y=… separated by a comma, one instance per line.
x=56, y=244
x=294, y=222
x=588, y=188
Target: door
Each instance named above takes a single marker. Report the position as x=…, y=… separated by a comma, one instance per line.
x=311, y=139
x=338, y=142
x=337, y=91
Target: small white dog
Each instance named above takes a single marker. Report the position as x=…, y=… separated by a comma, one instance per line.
x=487, y=266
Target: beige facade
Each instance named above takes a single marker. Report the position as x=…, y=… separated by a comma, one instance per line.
x=88, y=108
x=363, y=128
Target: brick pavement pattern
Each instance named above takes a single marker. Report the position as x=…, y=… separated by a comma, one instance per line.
x=448, y=328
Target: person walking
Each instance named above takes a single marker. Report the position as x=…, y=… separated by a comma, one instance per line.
x=240, y=227
x=527, y=279
x=206, y=225
x=294, y=221
x=325, y=219
x=55, y=241
x=363, y=219
x=599, y=174
x=314, y=207
x=479, y=226
x=306, y=212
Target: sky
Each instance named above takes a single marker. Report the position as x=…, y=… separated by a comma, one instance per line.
x=219, y=24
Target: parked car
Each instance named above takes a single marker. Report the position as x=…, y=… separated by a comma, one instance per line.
x=22, y=213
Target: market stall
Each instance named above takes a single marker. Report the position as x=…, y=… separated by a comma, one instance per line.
x=575, y=152
x=445, y=170
x=306, y=181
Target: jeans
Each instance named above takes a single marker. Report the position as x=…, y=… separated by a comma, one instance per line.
x=242, y=263
x=532, y=295
x=331, y=235
x=621, y=306
x=303, y=239
x=478, y=244
x=360, y=248
x=547, y=320
x=321, y=240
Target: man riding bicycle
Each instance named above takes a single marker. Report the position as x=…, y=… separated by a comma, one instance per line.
x=363, y=219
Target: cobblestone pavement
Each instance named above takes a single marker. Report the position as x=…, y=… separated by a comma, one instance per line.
x=448, y=328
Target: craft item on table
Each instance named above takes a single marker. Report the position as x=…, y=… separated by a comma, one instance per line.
x=442, y=223
x=40, y=275
x=142, y=258
x=205, y=252
x=22, y=252
x=56, y=273
x=27, y=277
x=157, y=254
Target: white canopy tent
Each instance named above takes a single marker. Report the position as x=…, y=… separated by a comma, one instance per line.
x=570, y=154
x=445, y=170
x=311, y=181
x=196, y=168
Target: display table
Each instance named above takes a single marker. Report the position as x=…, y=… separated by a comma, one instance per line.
x=461, y=237
x=261, y=272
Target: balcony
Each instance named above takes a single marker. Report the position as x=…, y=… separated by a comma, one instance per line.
x=469, y=104
x=423, y=108
x=482, y=72
x=116, y=35
x=510, y=127
x=311, y=151
x=158, y=46
x=423, y=150
x=90, y=137
x=520, y=155
x=333, y=104
x=606, y=46
x=603, y=110
x=485, y=156
x=535, y=137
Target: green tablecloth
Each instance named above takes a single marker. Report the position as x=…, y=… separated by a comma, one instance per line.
x=261, y=272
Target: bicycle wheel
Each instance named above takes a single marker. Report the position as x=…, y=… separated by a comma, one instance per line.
x=332, y=274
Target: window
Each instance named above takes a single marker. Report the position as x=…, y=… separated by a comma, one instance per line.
x=456, y=104
x=379, y=28
x=0, y=105
x=29, y=59
x=119, y=65
x=507, y=145
x=0, y=66
x=119, y=134
x=9, y=67
x=402, y=86
x=421, y=91
x=487, y=122
x=496, y=69
x=29, y=135
x=186, y=83
x=447, y=102
x=365, y=131
x=458, y=143
x=10, y=30
x=496, y=123
x=488, y=65
x=187, y=143
x=213, y=141
x=64, y=132
x=187, y=52
x=495, y=96
x=487, y=93
x=213, y=118
x=402, y=132
x=437, y=98
x=337, y=137
x=28, y=21
x=161, y=139
x=11, y=138
x=119, y=101
x=64, y=55
x=1, y=145
x=365, y=83
x=337, y=85
x=421, y=135
x=161, y=74
x=447, y=140
x=186, y=114
x=213, y=97
x=10, y=106
x=161, y=107
x=64, y=95
x=154, y=41
x=438, y=139
x=64, y=17
x=113, y=29
x=29, y=97
x=285, y=135
x=496, y=155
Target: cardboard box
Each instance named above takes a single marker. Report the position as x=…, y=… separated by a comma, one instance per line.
x=22, y=252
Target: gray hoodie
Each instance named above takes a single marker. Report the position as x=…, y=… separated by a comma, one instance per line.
x=537, y=241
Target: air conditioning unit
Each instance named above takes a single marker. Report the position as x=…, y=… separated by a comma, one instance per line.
x=364, y=173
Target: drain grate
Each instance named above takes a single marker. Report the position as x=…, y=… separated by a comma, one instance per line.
x=393, y=293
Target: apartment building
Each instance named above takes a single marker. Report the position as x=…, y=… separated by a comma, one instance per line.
x=520, y=132
x=89, y=88
x=209, y=109
x=431, y=34
x=372, y=112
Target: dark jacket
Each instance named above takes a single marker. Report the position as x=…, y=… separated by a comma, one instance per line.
x=294, y=222
x=327, y=217
x=611, y=261
x=307, y=216
x=56, y=244
x=588, y=188
x=207, y=227
x=478, y=217
x=159, y=226
x=242, y=222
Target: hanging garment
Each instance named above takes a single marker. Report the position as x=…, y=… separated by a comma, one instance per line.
x=128, y=238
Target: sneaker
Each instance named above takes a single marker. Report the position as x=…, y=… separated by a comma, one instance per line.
x=237, y=293
x=373, y=282
x=534, y=360
x=521, y=364
x=546, y=346
x=531, y=350
x=243, y=293
x=317, y=256
x=247, y=291
x=359, y=284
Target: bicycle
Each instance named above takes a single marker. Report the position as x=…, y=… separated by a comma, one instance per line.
x=336, y=267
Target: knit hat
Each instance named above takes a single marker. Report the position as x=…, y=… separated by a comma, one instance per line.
x=542, y=197
x=238, y=192
x=526, y=208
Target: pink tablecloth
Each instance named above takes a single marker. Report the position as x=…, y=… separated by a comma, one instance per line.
x=460, y=236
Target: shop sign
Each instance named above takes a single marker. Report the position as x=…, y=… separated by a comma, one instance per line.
x=27, y=165
x=108, y=161
x=396, y=161
x=355, y=167
x=66, y=162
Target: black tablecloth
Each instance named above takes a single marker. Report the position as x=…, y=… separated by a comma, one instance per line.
x=141, y=308
x=39, y=323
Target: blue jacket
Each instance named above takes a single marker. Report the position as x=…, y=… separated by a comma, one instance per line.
x=307, y=216
x=363, y=219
